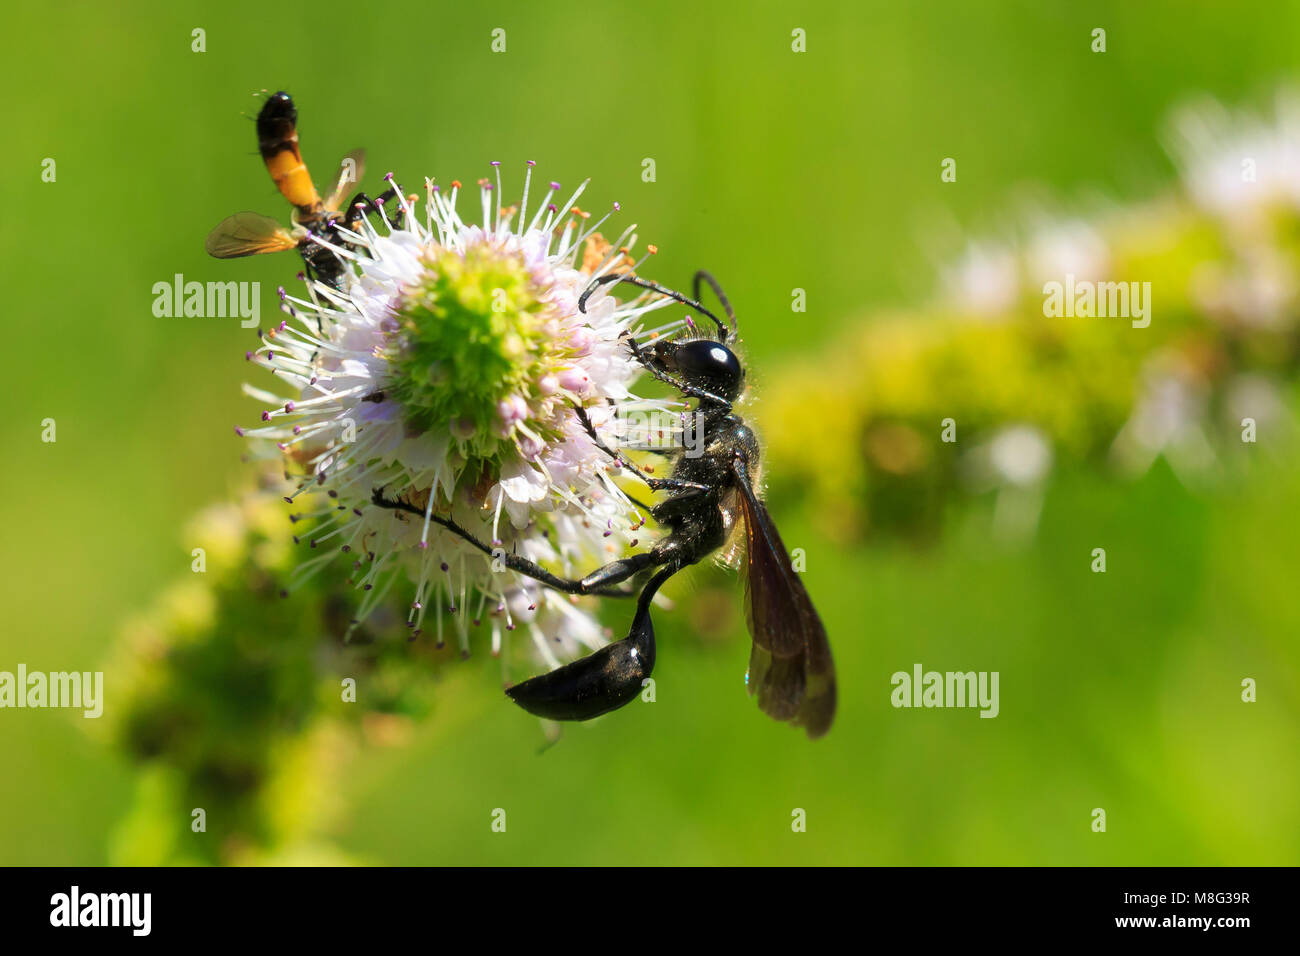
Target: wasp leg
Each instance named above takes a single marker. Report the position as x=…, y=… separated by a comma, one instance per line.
x=654, y=484
x=601, y=581
x=362, y=205
x=602, y=681
x=356, y=210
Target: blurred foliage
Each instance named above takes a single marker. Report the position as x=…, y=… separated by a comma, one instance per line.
x=233, y=697
x=862, y=424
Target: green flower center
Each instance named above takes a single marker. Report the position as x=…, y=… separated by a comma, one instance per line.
x=472, y=336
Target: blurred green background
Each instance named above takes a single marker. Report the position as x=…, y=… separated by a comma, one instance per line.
x=775, y=171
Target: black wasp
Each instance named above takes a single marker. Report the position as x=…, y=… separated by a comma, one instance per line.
x=790, y=665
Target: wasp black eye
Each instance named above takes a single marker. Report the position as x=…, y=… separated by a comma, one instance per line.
x=711, y=365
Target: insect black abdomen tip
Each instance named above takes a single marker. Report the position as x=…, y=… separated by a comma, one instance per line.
x=278, y=117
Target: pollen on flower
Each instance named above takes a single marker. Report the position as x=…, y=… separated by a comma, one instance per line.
x=476, y=339
x=436, y=391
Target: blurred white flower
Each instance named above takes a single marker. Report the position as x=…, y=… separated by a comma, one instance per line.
x=1015, y=463
x=1067, y=247
x=1020, y=455
x=1236, y=165
x=984, y=281
x=1257, y=289
x=1168, y=419
x=1253, y=396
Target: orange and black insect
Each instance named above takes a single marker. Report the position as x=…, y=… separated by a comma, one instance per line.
x=314, y=218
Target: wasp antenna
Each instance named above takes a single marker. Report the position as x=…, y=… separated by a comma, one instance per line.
x=653, y=287
x=703, y=275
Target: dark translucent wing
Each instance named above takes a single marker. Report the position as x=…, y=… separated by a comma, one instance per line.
x=247, y=234
x=352, y=169
x=790, y=666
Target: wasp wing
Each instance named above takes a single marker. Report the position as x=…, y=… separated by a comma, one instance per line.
x=352, y=168
x=790, y=665
x=248, y=234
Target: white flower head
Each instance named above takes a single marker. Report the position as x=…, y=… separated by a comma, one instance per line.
x=1235, y=165
x=1015, y=456
x=1169, y=419
x=445, y=373
x=984, y=281
x=1020, y=455
x=1072, y=246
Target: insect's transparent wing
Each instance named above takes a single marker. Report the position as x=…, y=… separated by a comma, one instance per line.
x=248, y=234
x=352, y=169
